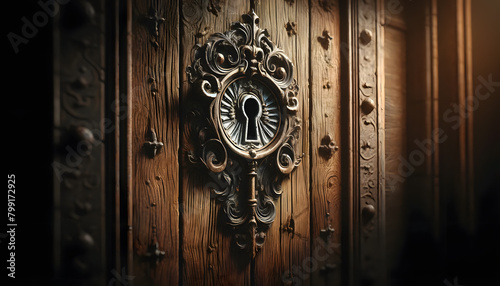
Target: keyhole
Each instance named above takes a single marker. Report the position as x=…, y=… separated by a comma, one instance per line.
x=251, y=108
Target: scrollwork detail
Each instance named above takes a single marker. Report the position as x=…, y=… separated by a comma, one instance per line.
x=266, y=210
x=245, y=47
x=214, y=155
x=218, y=67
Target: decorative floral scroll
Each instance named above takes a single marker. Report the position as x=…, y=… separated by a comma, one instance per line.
x=246, y=176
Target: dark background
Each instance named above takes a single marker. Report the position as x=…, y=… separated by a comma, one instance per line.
x=27, y=126
x=28, y=111
x=486, y=57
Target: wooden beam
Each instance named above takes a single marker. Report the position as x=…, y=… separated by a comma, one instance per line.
x=326, y=146
x=365, y=195
x=154, y=103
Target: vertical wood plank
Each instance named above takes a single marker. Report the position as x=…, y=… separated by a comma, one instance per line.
x=422, y=116
x=348, y=140
x=208, y=254
x=395, y=65
x=155, y=103
x=115, y=117
x=455, y=109
x=286, y=254
x=455, y=115
x=325, y=140
x=418, y=101
x=379, y=241
x=470, y=200
x=434, y=90
x=366, y=215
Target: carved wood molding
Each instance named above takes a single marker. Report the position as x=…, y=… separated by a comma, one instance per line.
x=231, y=69
x=367, y=210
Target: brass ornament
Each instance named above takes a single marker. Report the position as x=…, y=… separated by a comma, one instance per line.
x=244, y=125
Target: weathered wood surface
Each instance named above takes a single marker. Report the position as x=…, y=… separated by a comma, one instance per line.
x=155, y=105
x=325, y=142
x=175, y=233
x=171, y=205
x=208, y=254
x=287, y=245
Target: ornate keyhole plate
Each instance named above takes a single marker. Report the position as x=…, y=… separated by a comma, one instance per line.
x=250, y=114
x=245, y=127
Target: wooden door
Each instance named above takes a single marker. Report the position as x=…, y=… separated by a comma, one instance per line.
x=176, y=231
x=131, y=207
x=165, y=225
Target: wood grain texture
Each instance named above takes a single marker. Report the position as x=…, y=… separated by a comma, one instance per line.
x=325, y=120
x=395, y=136
x=155, y=103
x=208, y=254
x=284, y=257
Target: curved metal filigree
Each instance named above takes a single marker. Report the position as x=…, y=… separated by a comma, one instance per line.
x=247, y=49
x=246, y=132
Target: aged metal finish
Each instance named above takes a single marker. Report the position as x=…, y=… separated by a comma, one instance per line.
x=243, y=129
x=251, y=123
x=367, y=106
x=153, y=146
x=291, y=28
x=154, y=21
x=325, y=39
x=155, y=254
x=328, y=147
